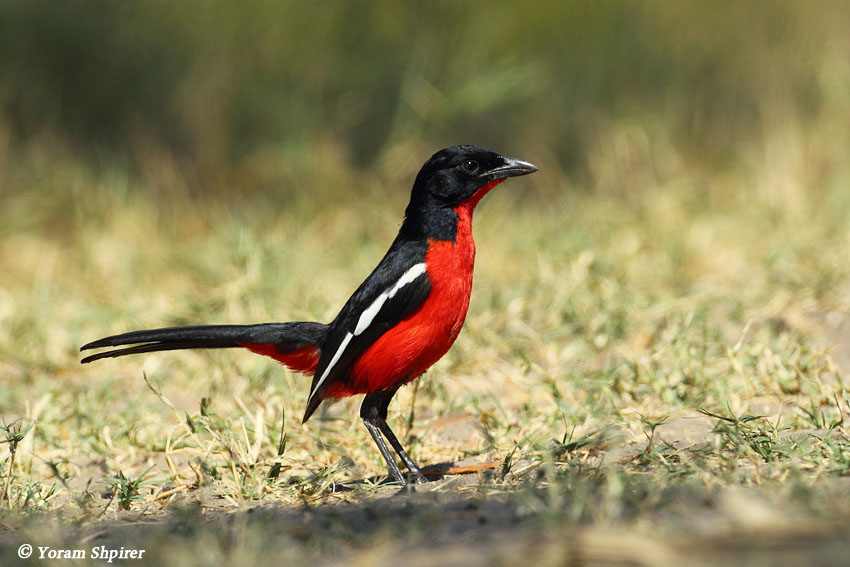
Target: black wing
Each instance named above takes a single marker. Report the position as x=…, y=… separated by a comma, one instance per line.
x=394, y=290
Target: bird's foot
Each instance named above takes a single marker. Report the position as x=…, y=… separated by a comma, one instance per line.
x=418, y=478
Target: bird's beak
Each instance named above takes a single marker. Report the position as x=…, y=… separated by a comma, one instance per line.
x=511, y=168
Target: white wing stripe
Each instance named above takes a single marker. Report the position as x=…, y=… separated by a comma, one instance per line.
x=337, y=354
x=408, y=277
x=369, y=315
x=370, y=312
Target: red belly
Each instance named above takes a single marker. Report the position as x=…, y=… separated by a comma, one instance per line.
x=411, y=347
x=417, y=342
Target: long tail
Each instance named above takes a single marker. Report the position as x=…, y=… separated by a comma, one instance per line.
x=295, y=344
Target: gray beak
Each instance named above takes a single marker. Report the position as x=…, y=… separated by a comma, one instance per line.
x=511, y=168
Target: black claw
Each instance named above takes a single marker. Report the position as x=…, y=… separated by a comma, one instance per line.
x=419, y=478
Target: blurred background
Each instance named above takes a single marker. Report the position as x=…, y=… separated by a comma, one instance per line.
x=226, y=99
x=174, y=147
x=684, y=245
x=206, y=153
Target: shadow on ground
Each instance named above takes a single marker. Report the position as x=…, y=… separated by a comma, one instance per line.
x=447, y=523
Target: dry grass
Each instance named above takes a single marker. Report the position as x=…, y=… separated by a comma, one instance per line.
x=603, y=317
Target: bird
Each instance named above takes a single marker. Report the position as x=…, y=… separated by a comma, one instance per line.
x=401, y=320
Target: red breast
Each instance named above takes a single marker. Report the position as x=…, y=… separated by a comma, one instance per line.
x=411, y=347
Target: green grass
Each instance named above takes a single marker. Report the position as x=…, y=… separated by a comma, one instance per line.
x=601, y=322
x=655, y=355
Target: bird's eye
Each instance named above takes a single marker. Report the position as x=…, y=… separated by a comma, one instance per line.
x=470, y=166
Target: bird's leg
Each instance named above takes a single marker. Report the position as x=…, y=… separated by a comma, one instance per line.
x=375, y=432
x=373, y=411
x=415, y=474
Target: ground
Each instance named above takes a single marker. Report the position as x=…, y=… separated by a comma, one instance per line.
x=652, y=371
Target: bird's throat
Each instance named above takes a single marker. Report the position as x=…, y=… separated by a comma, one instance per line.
x=473, y=200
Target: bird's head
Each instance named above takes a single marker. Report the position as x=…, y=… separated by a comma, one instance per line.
x=460, y=174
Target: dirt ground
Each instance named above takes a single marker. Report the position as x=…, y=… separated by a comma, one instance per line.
x=457, y=520
x=449, y=523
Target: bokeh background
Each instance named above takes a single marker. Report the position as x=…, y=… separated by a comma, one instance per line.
x=685, y=244
x=136, y=130
x=228, y=100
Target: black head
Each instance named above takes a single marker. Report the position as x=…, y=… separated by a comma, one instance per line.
x=453, y=175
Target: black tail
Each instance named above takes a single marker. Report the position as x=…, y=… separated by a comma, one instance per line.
x=285, y=336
